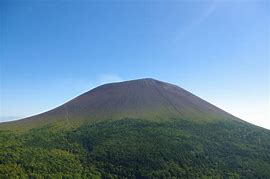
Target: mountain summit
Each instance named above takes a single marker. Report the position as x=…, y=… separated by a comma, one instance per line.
x=143, y=98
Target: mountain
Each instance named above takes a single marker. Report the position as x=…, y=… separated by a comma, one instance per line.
x=143, y=98
x=135, y=129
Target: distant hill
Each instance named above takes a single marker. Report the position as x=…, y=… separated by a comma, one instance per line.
x=135, y=129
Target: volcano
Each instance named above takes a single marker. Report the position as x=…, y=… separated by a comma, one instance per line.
x=144, y=98
x=134, y=129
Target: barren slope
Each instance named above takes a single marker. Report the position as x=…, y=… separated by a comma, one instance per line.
x=144, y=98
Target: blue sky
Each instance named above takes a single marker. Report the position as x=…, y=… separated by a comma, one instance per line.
x=52, y=51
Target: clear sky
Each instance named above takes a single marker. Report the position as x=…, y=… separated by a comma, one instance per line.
x=52, y=51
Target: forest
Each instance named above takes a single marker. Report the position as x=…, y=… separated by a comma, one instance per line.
x=137, y=148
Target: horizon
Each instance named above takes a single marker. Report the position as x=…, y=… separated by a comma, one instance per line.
x=53, y=51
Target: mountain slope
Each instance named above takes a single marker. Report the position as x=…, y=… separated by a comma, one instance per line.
x=136, y=129
x=144, y=98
